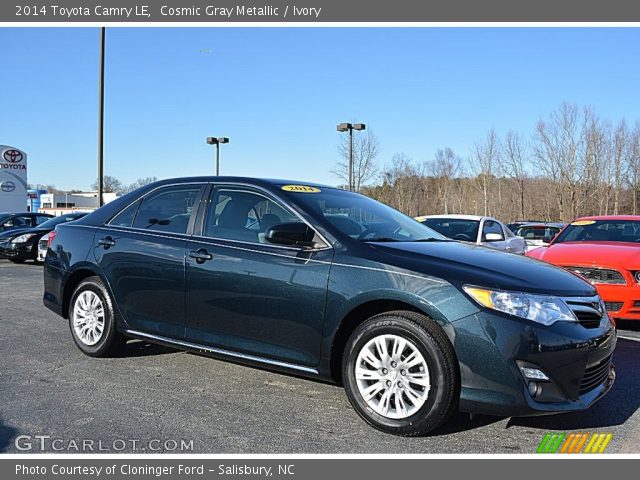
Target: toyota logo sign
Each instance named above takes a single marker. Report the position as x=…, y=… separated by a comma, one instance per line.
x=7, y=186
x=13, y=156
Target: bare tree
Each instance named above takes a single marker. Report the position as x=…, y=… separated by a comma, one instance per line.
x=445, y=167
x=514, y=165
x=366, y=148
x=575, y=163
x=141, y=182
x=485, y=158
x=110, y=184
x=634, y=165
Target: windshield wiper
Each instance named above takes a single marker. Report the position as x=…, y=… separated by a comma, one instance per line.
x=433, y=239
x=380, y=239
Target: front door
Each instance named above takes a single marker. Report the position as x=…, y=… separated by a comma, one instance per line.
x=247, y=295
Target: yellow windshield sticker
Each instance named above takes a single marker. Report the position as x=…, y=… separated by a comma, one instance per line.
x=300, y=189
x=581, y=223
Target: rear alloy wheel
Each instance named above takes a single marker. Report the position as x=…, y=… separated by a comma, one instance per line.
x=91, y=319
x=399, y=372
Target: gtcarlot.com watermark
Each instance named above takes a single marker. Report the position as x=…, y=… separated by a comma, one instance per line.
x=47, y=443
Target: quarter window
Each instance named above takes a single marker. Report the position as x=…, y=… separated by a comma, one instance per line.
x=167, y=210
x=126, y=216
x=243, y=215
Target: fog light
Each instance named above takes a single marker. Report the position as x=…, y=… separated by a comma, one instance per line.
x=534, y=389
x=534, y=374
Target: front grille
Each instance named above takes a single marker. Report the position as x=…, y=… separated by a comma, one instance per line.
x=599, y=275
x=595, y=375
x=587, y=310
x=613, y=306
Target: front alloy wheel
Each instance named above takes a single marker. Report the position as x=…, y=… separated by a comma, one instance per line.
x=400, y=373
x=392, y=376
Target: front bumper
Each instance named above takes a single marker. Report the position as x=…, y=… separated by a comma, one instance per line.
x=622, y=301
x=576, y=359
x=16, y=251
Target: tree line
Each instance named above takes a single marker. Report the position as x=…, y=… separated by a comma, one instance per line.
x=574, y=163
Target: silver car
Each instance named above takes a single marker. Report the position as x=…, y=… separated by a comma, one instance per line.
x=485, y=231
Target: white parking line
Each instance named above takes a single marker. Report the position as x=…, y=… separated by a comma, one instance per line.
x=633, y=339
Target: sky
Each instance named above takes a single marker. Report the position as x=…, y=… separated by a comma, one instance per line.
x=278, y=94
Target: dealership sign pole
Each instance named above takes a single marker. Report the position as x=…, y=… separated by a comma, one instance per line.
x=13, y=179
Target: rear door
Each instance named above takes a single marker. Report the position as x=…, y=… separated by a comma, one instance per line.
x=142, y=252
x=247, y=295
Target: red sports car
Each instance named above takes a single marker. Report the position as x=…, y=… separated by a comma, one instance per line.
x=606, y=251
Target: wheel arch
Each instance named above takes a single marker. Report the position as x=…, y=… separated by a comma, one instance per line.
x=78, y=275
x=361, y=313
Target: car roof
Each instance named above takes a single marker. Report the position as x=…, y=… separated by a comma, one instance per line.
x=232, y=179
x=609, y=217
x=541, y=225
x=458, y=217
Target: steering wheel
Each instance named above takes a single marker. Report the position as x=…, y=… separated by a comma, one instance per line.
x=462, y=236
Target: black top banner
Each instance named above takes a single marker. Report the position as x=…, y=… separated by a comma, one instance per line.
x=320, y=11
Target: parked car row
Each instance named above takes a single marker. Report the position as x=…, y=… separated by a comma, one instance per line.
x=329, y=284
x=22, y=240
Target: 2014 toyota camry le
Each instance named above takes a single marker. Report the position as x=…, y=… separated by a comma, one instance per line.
x=330, y=284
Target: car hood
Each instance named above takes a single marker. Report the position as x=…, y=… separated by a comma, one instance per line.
x=20, y=231
x=601, y=254
x=465, y=264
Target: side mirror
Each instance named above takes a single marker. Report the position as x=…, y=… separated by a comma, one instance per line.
x=294, y=233
x=493, y=237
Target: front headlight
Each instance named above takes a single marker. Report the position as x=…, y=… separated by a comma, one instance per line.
x=544, y=309
x=23, y=238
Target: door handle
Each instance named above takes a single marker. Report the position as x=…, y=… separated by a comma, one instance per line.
x=201, y=255
x=107, y=242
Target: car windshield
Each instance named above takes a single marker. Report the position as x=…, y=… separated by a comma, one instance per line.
x=601, y=231
x=455, y=228
x=363, y=218
x=538, y=232
x=51, y=224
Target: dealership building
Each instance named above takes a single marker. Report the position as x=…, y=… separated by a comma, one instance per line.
x=62, y=203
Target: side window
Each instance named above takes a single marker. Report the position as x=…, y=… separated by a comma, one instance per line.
x=22, y=221
x=492, y=232
x=168, y=209
x=126, y=216
x=243, y=215
x=40, y=219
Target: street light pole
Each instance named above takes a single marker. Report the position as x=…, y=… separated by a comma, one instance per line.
x=217, y=141
x=349, y=127
x=101, y=122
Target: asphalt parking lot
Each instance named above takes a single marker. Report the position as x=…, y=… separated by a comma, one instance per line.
x=148, y=393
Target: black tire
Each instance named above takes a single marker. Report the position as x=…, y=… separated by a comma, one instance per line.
x=17, y=260
x=111, y=340
x=432, y=343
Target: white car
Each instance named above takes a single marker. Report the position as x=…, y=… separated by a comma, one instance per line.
x=476, y=229
x=42, y=247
